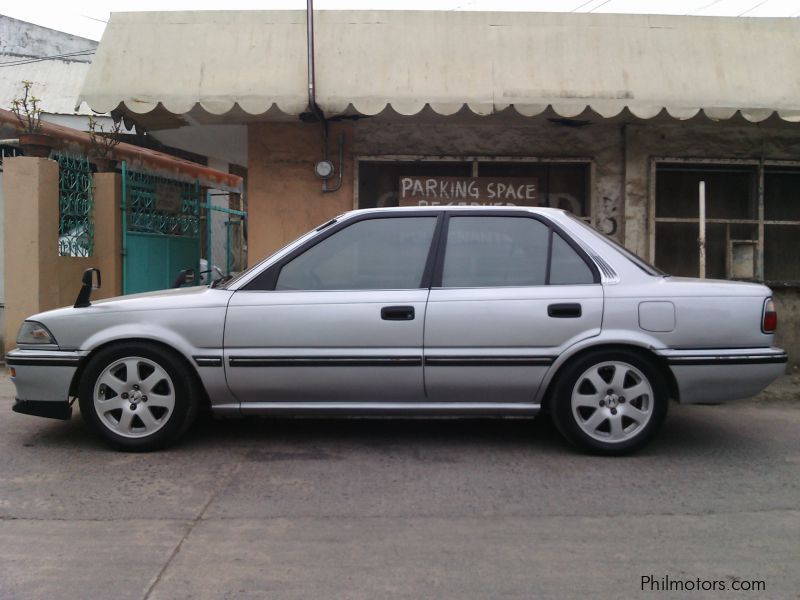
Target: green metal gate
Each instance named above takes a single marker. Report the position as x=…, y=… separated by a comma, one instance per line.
x=225, y=244
x=160, y=230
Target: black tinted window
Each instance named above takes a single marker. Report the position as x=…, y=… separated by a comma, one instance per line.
x=567, y=267
x=495, y=251
x=374, y=254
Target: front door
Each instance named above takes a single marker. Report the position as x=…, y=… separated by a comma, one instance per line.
x=510, y=294
x=341, y=320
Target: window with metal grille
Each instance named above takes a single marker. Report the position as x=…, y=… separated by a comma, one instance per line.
x=75, y=206
x=752, y=219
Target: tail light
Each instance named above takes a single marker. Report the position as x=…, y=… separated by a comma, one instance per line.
x=769, y=320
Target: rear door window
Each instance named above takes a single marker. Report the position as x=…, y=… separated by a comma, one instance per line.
x=495, y=251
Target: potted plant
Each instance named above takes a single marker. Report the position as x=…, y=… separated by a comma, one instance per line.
x=103, y=144
x=28, y=112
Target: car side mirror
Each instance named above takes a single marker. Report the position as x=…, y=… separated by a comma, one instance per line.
x=87, y=285
x=186, y=276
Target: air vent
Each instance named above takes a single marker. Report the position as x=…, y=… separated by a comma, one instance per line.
x=608, y=274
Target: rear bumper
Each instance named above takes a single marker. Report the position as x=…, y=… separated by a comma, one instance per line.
x=711, y=376
x=43, y=379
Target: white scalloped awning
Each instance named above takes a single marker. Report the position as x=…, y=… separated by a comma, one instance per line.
x=248, y=63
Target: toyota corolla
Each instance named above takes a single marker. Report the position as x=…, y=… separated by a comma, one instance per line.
x=446, y=311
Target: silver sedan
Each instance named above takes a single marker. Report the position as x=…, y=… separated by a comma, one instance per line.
x=448, y=311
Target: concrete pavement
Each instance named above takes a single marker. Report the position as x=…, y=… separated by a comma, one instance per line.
x=408, y=509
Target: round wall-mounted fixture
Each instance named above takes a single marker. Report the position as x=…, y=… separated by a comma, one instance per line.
x=324, y=169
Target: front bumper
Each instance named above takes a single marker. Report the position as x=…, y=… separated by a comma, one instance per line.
x=712, y=376
x=43, y=379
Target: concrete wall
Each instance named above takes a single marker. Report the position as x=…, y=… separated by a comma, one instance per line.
x=285, y=199
x=23, y=39
x=2, y=257
x=36, y=277
x=284, y=196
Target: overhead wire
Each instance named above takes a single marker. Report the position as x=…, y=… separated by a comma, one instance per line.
x=755, y=6
x=599, y=5
x=33, y=59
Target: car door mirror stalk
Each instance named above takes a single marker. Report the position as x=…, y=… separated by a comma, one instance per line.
x=185, y=276
x=87, y=285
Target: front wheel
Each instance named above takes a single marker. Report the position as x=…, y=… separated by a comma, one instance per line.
x=610, y=402
x=137, y=396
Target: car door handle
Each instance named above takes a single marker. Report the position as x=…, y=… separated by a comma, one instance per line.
x=564, y=311
x=397, y=313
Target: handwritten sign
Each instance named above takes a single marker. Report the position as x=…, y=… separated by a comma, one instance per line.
x=468, y=191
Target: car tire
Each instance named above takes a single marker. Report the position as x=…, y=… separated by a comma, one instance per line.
x=138, y=396
x=609, y=402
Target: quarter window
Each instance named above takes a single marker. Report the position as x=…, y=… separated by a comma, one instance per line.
x=372, y=254
x=566, y=266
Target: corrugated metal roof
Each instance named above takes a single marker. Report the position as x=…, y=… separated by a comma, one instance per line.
x=56, y=82
x=370, y=60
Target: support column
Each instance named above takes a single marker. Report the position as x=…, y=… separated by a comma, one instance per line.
x=108, y=232
x=30, y=239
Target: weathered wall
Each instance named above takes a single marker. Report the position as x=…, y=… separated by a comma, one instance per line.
x=787, y=302
x=36, y=277
x=284, y=196
x=23, y=39
x=513, y=137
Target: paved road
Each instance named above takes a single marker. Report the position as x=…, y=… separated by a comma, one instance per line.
x=408, y=509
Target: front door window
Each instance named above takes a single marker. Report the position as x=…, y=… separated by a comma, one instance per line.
x=375, y=254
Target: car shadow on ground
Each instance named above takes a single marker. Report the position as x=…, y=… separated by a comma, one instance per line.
x=687, y=431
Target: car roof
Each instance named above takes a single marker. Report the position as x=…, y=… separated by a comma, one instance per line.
x=455, y=207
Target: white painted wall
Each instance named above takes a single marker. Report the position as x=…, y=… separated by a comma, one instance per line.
x=2, y=258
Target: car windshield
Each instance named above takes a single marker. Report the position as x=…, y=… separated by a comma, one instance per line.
x=634, y=258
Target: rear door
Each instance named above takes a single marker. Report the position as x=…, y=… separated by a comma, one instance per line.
x=339, y=320
x=510, y=292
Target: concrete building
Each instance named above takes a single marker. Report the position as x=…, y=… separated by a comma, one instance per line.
x=618, y=118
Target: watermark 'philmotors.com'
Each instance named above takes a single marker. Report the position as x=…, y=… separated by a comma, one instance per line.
x=651, y=583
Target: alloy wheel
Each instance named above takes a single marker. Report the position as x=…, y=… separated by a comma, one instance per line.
x=612, y=401
x=134, y=397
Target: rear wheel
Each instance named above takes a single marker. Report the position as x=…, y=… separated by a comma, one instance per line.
x=137, y=396
x=610, y=402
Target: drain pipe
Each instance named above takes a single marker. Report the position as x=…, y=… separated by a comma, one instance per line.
x=312, y=92
x=325, y=168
